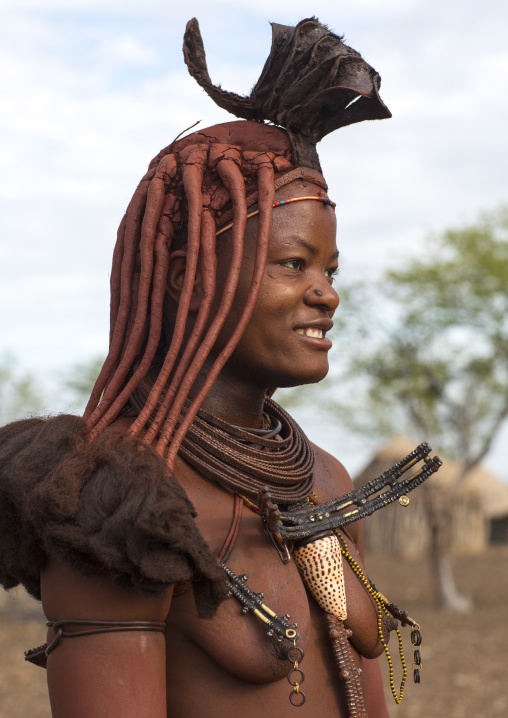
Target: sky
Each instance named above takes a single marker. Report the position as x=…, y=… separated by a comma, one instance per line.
x=91, y=90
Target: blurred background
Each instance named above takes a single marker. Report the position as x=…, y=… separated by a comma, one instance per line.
x=91, y=91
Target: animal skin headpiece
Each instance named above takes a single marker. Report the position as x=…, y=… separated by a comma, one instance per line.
x=312, y=83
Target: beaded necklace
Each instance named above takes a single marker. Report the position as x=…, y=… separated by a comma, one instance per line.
x=385, y=607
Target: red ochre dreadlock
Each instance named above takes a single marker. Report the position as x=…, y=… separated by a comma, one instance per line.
x=188, y=185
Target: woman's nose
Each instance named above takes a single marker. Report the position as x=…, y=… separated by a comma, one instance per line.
x=323, y=293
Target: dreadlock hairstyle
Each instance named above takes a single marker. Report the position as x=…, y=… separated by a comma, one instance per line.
x=312, y=83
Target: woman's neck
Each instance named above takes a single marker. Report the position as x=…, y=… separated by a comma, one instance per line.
x=236, y=401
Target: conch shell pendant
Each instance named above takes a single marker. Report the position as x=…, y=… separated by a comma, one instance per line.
x=320, y=566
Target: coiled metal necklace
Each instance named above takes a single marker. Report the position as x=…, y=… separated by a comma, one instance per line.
x=248, y=460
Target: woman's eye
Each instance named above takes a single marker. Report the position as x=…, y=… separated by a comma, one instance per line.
x=332, y=273
x=296, y=264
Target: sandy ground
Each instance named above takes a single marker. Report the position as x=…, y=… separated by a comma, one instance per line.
x=465, y=658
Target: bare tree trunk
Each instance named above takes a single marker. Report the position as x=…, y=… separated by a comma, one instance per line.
x=446, y=591
x=440, y=523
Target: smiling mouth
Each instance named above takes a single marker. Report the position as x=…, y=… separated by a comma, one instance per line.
x=315, y=332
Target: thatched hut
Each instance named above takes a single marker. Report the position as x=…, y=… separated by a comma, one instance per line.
x=480, y=512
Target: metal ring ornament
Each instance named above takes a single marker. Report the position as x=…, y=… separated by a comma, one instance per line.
x=295, y=684
x=416, y=637
x=290, y=657
x=292, y=698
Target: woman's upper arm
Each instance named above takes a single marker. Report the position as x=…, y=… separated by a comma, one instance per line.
x=376, y=703
x=105, y=675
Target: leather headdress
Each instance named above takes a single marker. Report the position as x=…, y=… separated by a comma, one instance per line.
x=311, y=84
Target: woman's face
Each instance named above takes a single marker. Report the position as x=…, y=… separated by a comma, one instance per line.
x=285, y=342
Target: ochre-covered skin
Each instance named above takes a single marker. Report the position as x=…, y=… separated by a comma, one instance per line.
x=227, y=666
x=233, y=651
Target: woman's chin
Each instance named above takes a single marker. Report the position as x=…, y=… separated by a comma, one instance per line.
x=302, y=378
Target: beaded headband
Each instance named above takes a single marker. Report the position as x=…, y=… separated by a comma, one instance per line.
x=280, y=202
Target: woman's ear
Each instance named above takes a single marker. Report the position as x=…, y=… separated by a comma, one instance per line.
x=176, y=278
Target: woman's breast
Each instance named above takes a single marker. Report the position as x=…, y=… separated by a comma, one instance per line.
x=239, y=642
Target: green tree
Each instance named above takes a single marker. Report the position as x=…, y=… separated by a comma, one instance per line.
x=446, y=364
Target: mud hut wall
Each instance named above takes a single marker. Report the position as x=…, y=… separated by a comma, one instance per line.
x=398, y=531
x=405, y=531
x=469, y=526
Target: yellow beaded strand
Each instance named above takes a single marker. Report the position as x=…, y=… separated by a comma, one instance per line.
x=381, y=608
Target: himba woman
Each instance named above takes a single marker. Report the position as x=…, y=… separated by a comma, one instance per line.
x=139, y=525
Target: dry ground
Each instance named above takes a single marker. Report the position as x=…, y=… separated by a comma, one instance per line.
x=465, y=657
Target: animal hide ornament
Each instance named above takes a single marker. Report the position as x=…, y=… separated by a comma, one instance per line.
x=311, y=84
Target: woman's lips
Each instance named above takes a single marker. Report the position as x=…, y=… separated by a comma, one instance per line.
x=315, y=332
x=317, y=335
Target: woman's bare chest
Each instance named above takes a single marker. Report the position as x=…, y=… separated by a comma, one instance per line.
x=236, y=641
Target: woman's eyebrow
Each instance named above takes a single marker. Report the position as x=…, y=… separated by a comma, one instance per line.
x=294, y=239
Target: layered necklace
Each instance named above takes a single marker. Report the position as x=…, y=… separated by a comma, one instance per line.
x=246, y=461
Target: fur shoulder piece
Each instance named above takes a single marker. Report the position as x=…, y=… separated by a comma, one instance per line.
x=311, y=84
x=108, y=508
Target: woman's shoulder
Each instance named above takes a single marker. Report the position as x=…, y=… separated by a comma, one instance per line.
x=110, y=507
x=331, y=481
x=331, y=477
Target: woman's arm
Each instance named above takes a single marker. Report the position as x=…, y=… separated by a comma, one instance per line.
x=106, y=675
x=376, y=703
